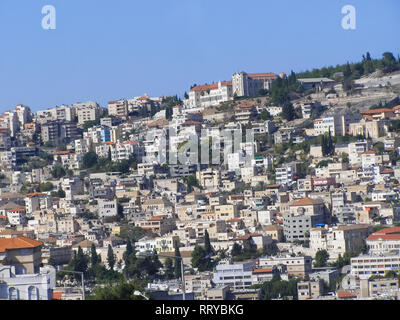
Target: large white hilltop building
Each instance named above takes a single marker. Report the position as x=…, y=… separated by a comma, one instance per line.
x=242, y=84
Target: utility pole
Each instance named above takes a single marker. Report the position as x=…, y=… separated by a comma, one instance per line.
x=183, y=281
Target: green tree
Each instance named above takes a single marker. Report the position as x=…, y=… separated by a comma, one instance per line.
x=236, y=249
x=200, y=259
x=265, y=115
x=156, y=262
x=94, y=258
x=207, y=243
x=129, y=250
x=58, y=172
x=89, y=160
x=278, y=288
x=169, y=268
x=111, y=259
x=389, y=62
x=46, y=186
x=177, y=262
x=288, y=112
x=321, y=258
x=122, y=291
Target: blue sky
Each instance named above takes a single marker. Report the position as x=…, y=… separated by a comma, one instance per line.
x=105, y=50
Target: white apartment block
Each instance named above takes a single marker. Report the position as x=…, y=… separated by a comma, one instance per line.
x=365, y=266
x=285, y=175
x=37, y=201
x=338, y=125
x=209, y=95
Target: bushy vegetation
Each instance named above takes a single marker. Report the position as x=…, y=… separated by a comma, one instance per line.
x=366, y=66
x=278, y=288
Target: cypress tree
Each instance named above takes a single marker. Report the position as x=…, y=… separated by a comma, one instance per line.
x=207, y=243
x=177, y=262
x=111, y=257
x=128, y=252
x=94, y=258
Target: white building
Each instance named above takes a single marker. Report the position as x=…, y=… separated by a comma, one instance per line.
x=365, y=266
x=37, y=286
x=209, y=95
x=107, y=208
x=237, y=276
x=338, y=240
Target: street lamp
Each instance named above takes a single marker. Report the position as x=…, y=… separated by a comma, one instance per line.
x=138, y=293
x=83, y=281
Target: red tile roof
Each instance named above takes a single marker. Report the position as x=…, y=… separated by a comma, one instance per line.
x=31, y=195
x=57, y=295
x=268, y=75
x=346, y=294
x=272, y=186
x=266, y=270
x=18, y=243
x=386, y=234
x=156, y=218
x=376, y=111
x=212, y=86
x=306, y=202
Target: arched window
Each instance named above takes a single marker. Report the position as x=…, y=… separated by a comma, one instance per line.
x=33, y=293
x=13, y=293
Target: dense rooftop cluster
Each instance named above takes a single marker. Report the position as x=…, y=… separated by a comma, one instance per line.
x=258, y=200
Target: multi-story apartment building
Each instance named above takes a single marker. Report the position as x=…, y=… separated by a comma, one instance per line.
x=338, y=125
x=118, y=108
x=298, y=266
x=37, y=201
x=237, y=276
x=209, y=178
x=160, y=225
x=339, y=239
x=59, y=132
x=297, y=227
x=87, y=111
x=309, y=289
x=365, y=266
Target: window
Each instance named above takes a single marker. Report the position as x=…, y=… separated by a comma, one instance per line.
x=13, y=293
x=33, y=293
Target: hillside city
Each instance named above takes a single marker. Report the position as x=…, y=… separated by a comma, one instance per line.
x=263, y=186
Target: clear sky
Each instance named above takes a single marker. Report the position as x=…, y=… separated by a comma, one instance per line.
x=105, y=50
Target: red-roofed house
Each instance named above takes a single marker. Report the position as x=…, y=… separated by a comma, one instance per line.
x=345, y=295
x=384, y=241
x=209, y=95
x=21, y=252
